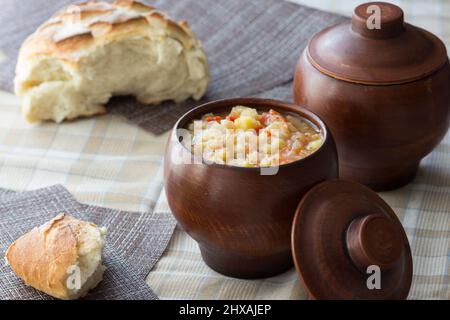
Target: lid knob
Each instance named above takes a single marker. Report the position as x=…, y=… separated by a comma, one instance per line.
x=374, y=240
x=378, y=20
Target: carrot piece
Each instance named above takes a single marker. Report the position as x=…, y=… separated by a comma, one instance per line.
x=209, y=119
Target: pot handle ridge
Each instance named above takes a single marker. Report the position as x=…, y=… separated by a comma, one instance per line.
x=378, y=20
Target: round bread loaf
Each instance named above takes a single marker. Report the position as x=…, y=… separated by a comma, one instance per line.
x=87, y=53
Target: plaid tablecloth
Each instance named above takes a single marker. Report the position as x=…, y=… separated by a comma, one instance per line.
x=108, y=162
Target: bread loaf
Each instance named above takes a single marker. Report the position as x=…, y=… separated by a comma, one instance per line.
x=62, y=258
x=87, y=53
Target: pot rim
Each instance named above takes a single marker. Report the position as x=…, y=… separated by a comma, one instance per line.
x=256, y=103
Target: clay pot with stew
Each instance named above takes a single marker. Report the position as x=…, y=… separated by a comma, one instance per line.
x=384, y=93
x=249, y=225
x=240, y=218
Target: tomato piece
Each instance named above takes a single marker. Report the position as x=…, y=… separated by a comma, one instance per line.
x=265, y=118
x=258, y=128
x=209, y=119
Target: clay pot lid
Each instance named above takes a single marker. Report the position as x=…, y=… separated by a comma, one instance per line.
x=340, y=229
x=396, y=53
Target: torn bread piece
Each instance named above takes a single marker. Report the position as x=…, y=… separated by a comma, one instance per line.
x=62, y=258
x=87, y=53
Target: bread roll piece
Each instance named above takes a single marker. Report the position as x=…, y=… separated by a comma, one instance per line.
x=87, y=53
x=62, y=258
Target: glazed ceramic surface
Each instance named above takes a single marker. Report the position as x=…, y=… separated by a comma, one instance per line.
x=241, y=219
x=385, y=95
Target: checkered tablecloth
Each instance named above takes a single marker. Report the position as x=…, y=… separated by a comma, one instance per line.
x=108, y=162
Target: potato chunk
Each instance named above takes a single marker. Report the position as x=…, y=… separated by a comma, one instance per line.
x=246, y=123
x=245, y=111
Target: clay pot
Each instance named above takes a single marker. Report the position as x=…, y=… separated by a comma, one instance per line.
x=241, y=219
x=384, y=93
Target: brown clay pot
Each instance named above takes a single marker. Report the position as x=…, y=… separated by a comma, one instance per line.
x=384, y=93
x=241, y=219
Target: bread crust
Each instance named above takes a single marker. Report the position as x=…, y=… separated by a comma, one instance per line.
x=49, y=40
x=43, y=256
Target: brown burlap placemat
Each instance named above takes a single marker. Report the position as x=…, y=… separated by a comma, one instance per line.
x=135, y=241
x=252, y=45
